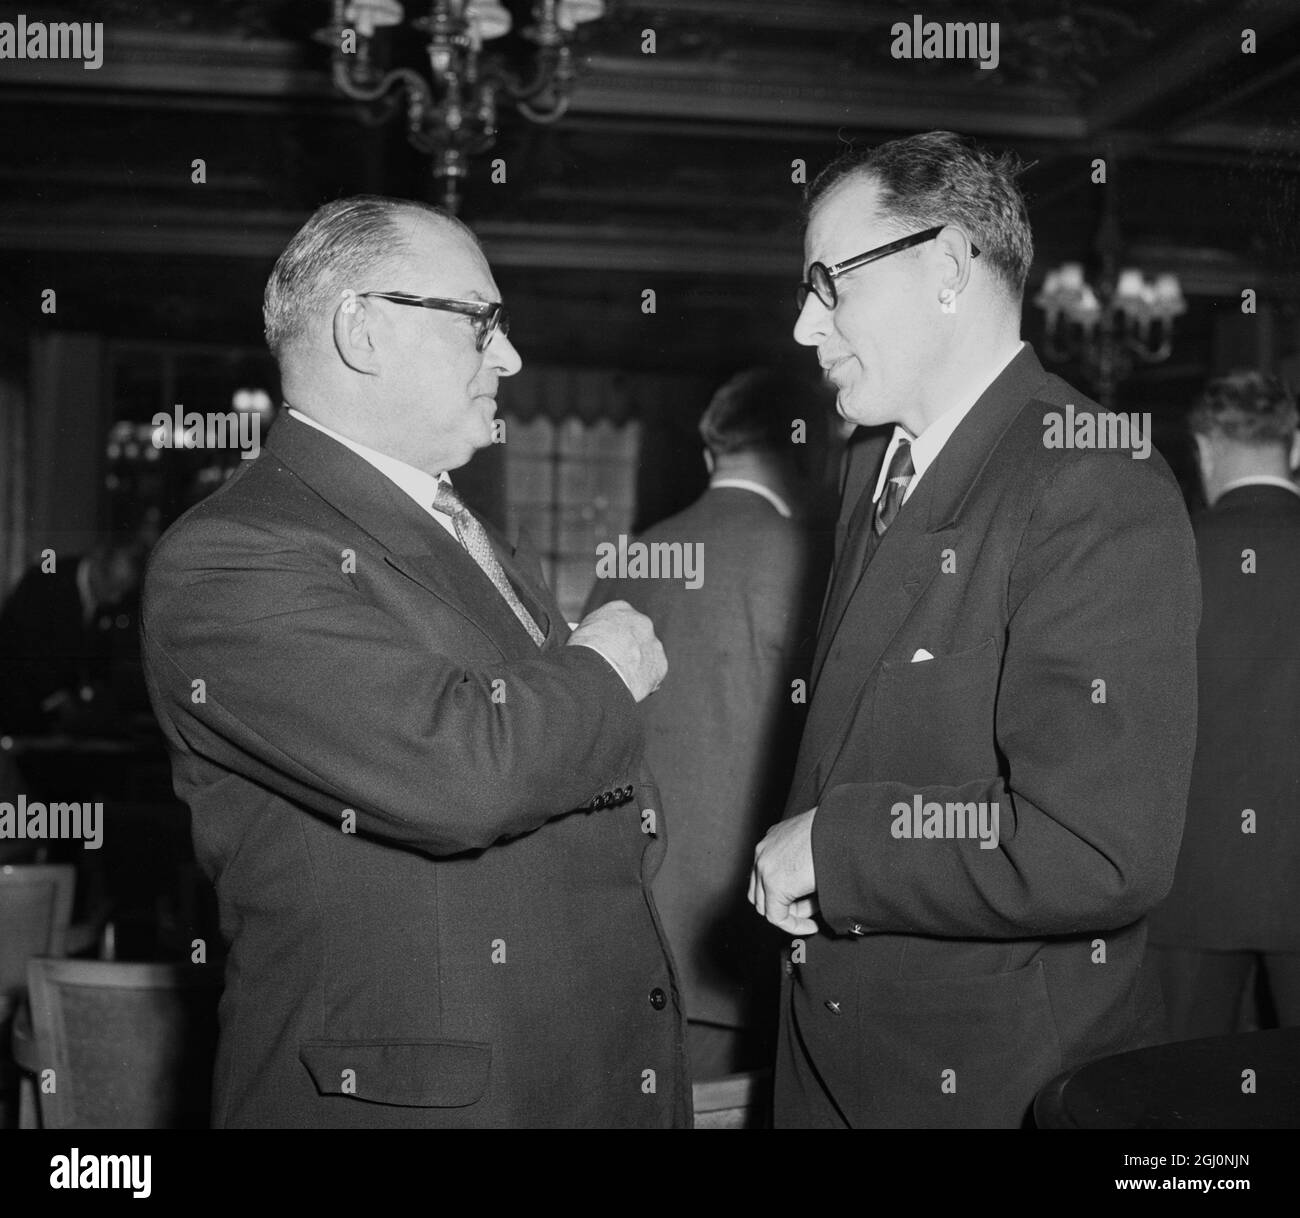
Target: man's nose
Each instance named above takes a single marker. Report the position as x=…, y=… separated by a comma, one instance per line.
x=813, y=323
x=503, y=356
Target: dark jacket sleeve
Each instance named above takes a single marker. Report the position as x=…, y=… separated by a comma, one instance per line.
x=266, y=662
x=1091, y=795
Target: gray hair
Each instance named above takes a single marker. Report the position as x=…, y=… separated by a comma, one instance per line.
x=342, y=243
x=940, y=178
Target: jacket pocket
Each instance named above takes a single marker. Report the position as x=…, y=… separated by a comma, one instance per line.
x=409, y=1073
x=954, y=1052
x=932, y=720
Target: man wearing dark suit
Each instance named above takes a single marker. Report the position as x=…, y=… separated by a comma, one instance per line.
x=992, y=779
x=722, y=731
x=420, y=798
x=69, y=641
x=1235, y=903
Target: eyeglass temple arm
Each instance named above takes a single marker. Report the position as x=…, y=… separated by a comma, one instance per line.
x=893, y=247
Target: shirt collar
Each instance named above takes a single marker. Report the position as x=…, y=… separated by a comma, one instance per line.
x=420, y=486
x=927, y=446
x=744, y=484
x=1260, y=480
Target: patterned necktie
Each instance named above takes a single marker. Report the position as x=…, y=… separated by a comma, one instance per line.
x=901, y=471
x=474, y=538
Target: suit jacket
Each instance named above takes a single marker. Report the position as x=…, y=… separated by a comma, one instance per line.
x=425, y=834
x=722, y=732
x=1235, y=890
x=950, y=981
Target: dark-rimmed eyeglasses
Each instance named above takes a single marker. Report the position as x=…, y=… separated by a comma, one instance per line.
x=821, y=278
x=487, y=316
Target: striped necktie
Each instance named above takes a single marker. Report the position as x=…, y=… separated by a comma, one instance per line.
x=473, y=536
x=900, y=474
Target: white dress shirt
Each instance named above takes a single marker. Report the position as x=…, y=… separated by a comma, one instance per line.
x=744, y=484
x=416, y=483
x=927, y=446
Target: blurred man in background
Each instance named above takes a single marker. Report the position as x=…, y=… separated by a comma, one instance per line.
x=69, y=645
x=723, y=730
x=1235, y=904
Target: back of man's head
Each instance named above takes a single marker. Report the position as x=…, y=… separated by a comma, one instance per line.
x=1245, y=426
x=346, y=245
x=939, y=177
x=758, y=411
x=1248, y=408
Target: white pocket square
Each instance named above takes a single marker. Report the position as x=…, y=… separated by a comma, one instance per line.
x=921, y=654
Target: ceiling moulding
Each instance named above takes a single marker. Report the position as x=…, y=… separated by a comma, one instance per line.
x=822, y=16
x=509, y=245
x=262, y=235
x=750, y=93
x=210, y=64
x=243, y=68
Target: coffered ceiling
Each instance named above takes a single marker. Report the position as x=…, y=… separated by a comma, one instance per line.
x=672, y=170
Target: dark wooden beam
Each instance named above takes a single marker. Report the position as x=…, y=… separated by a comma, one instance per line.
x=1214, y=44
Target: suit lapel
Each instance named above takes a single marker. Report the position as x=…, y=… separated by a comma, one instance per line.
x=905, y=563
x=414, y=544
x=861, y=472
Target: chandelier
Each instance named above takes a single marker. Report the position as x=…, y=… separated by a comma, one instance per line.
x=451, y=115
x=1126, y=320
x=1109, y=329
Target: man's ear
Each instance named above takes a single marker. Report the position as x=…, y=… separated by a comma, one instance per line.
x=954, y=247
x=354, y=319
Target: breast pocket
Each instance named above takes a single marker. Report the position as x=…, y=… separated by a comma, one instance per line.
x=932, y=720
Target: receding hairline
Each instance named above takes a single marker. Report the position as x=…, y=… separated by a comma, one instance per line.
x=414, y=226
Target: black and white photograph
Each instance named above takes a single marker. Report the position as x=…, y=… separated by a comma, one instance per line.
x=602, y=565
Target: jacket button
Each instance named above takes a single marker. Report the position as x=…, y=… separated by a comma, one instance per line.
x=833, y=1007
x=658, y=999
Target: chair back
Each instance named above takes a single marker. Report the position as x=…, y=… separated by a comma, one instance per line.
x=35, y=909
x=131, y=1045
x=738, y=1101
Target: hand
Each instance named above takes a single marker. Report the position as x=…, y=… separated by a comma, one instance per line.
x=627, y=640
x=782, y=884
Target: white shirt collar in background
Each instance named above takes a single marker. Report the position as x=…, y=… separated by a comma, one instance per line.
x=744, y=484
x=1259, y=480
